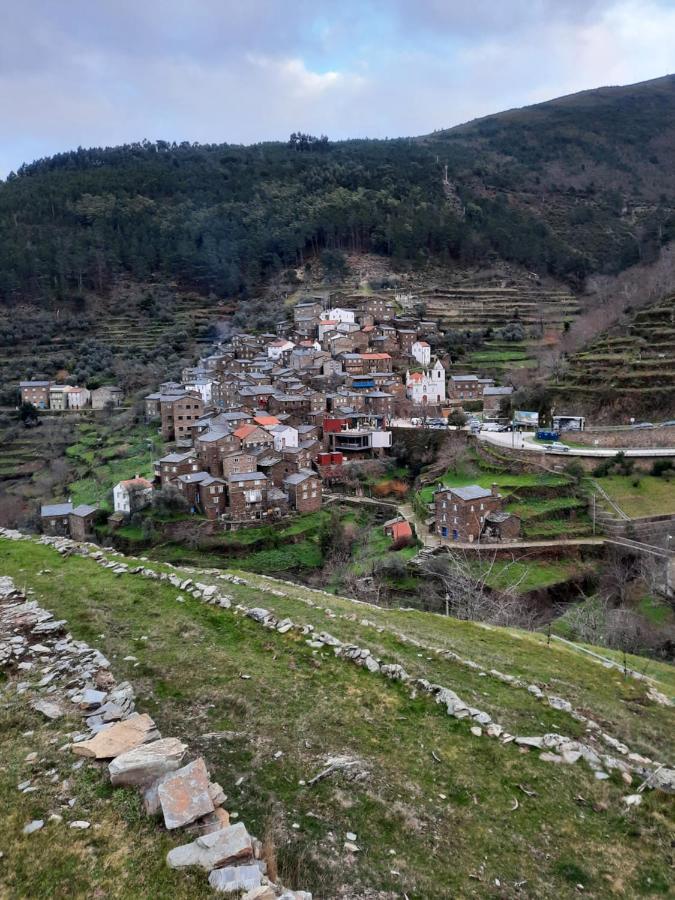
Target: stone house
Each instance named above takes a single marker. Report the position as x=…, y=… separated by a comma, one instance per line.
x=501, y=526
x=35, y=392
x=54, y=519
x=467, y=387
x=246, y=495
x=169, y=467
x=179, y=414
x=106, y=395
x=212, y=497
x=380, y=308
x=306, y=315
x=293, y=404
x=131, y=495
x=188, y=487
x=493, y=396
x=460, y=512
x=236, y=462
x=152, y=406
x=252, y=437
x=406, y=338
x=81, y=521
x=304, y=491
x=379, y=403
x=212, y=445
x=376, y=362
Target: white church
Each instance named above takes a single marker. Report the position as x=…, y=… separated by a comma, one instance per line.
x=427, y=387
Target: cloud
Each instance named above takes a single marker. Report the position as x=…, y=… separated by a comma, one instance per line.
x=87, y=73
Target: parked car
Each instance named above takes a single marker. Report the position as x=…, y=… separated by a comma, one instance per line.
x=669, y=422
x=644, y=425
x=490, y=426
x=556, y=447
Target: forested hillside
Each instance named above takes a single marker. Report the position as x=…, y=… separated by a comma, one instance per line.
x=579, y=185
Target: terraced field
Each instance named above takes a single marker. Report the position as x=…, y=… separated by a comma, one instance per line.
x=481, y=306
x=134, y=319
x=631, y=366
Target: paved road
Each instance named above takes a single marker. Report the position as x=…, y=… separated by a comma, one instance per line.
x=524, y=440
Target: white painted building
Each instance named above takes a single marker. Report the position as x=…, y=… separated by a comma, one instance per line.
x=426, y=387
x=132, y=495
x=201, y=386
x=77, y=397
x=339, y=314
x=421, y=352
x=276, y=349
x=284, y=436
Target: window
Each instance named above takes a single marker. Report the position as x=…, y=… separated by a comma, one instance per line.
x=481, y=506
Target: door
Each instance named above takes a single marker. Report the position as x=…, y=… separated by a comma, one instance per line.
x=455, y=534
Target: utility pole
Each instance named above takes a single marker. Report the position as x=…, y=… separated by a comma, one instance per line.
x=594, y=496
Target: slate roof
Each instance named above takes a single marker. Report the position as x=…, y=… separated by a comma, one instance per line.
x=84, y=509
x=299, y=477
x=497, y=391
x=248, y=476
x=56, y=509
x=470, y=492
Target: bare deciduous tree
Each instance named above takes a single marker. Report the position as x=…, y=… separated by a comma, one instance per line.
x=462, y=590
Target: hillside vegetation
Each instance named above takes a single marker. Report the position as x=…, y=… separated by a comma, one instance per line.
x=433, y=805
x=578, y=185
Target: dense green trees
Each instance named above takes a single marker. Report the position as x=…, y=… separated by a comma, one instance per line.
x=544, y=187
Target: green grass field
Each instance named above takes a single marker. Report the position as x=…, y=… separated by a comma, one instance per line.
x=104, y=455
x=650, y=497
x=440, y=798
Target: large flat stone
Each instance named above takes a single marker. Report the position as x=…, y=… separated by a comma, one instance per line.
x=184, y=795
x=211, y=851
x=49, y=708
x=234, y=879
x=145, y=764
x=119, y=738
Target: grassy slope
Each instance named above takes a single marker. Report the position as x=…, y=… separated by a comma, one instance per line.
x=652, y=496
x=312, y=705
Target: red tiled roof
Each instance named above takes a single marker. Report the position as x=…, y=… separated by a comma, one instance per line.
x=265, y=420
x=374, y=356
x=137, y=482
x=416, y=376
x=244, y=431
x=401, y=530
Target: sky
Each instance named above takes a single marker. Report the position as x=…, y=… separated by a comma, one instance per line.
x=103, y=72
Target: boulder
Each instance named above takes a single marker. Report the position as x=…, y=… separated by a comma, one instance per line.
x=214, y=850
x=184, y=795
x=118, y=738
x=143, y=765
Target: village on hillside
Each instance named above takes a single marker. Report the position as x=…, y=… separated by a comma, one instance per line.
x=261, y=427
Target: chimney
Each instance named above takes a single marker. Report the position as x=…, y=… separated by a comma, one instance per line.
x=495, y=489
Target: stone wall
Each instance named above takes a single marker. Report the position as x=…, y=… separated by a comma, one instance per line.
x=60, y=676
